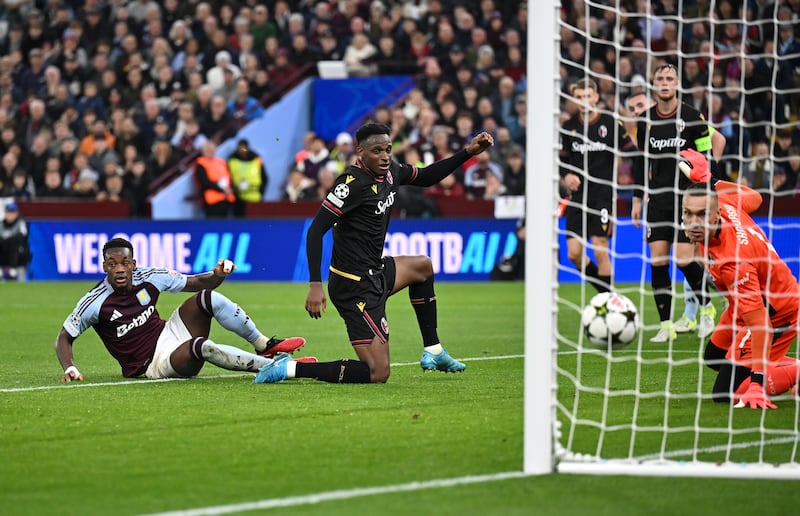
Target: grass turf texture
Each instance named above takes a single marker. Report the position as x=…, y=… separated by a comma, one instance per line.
x=142, y=447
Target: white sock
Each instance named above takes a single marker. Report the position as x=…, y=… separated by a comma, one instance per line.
x=260, y=343
x=291, y=367
x=435, y=349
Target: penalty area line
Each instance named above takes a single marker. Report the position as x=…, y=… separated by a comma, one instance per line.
x=344, y=494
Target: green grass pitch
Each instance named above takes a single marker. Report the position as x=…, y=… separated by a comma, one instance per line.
x=112, y=446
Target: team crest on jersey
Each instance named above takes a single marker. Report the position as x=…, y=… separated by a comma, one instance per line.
x=144, y=297
x=680, y=124
x=341, y=191
x=602, y=131
x=389, y=178
x=385, y=325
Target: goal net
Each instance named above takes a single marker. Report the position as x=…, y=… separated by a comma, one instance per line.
x=648, y=408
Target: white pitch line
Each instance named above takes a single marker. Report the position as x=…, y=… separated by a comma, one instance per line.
x=715, y=449
x=344, y=494
x=144, y=381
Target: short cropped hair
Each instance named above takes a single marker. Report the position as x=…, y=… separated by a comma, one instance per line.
x=584, y=84
x=116, y=243
x=370, y=129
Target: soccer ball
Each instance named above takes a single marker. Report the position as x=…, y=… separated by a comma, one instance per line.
x=610, y=321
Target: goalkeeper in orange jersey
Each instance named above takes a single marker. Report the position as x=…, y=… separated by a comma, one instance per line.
x=749, y=344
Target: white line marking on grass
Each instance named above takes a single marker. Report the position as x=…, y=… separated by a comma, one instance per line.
x=143, y=381
x=715, y=449
x=344, y=494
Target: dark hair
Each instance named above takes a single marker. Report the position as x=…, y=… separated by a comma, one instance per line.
x=584, y=84
x=699, y=190
x=370, y=129
x=116, y=243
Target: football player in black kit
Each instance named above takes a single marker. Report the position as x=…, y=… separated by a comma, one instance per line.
x=358, y=208
x=588, y=162
x=667, y=128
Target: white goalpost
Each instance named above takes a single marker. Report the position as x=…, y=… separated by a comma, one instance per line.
x=645, y=409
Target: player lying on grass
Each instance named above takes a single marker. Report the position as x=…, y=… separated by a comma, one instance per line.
x=122, y=310
x=358, y=208
x=749, y=344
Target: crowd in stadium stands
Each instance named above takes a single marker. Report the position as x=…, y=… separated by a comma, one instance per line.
x=740, y=67
x=101, y=89
x=99, y=97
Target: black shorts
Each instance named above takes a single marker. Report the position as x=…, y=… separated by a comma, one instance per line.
x=598, y=222
x=360, y=298
x=664, y=225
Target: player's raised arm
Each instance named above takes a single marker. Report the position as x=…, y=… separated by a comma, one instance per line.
x=64, y=353
x=438, y=170
x=211, y=279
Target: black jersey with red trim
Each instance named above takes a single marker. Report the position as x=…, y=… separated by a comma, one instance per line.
x=587, y=150
x=662, y=136
x=362, y=202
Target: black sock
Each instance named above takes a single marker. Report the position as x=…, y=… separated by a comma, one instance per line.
x=662, y=285
x=600, y=283
x=695, y=276
x=423, y=299
x=339, y=371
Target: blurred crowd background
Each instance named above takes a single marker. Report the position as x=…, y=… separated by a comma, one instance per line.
x=102, y=99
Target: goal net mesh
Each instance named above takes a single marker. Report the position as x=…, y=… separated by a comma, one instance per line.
x=649, y=405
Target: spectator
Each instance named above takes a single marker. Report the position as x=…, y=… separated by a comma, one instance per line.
x=318, y=155
x=163, y=157
x=357, y=55
x=244, y=108
x=14, y=250
x=53, y=184
x=114, y=190
x=85, y=186
x=102, y=153
x=215, y=77
x=494, y=187
x=343, y=152
x=191, y=139
x=248, y=176
x=37, y=120
x=217, y=122
x=20, y=187
x=514, y=171
x=137, y=181
x=299, y=187
x=448, y=188
x=785, y=177
x=475, y=176
x=214, y=183
x=758, y=172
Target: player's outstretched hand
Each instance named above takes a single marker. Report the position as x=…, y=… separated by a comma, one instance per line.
x=755, y=398
x=315, y=300
x=224, y=268
x=694, y=166
x=72, y=373
x=480, y=143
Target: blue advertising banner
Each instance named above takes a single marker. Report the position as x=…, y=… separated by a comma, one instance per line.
x=263, y=250
x=274, y=250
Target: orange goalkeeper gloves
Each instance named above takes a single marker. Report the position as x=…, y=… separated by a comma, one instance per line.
x=694, y=166
x=755, y=398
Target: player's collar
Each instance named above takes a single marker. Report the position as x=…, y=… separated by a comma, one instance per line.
x=363, y=167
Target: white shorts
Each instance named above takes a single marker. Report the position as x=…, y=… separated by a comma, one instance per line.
x=173, y=335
